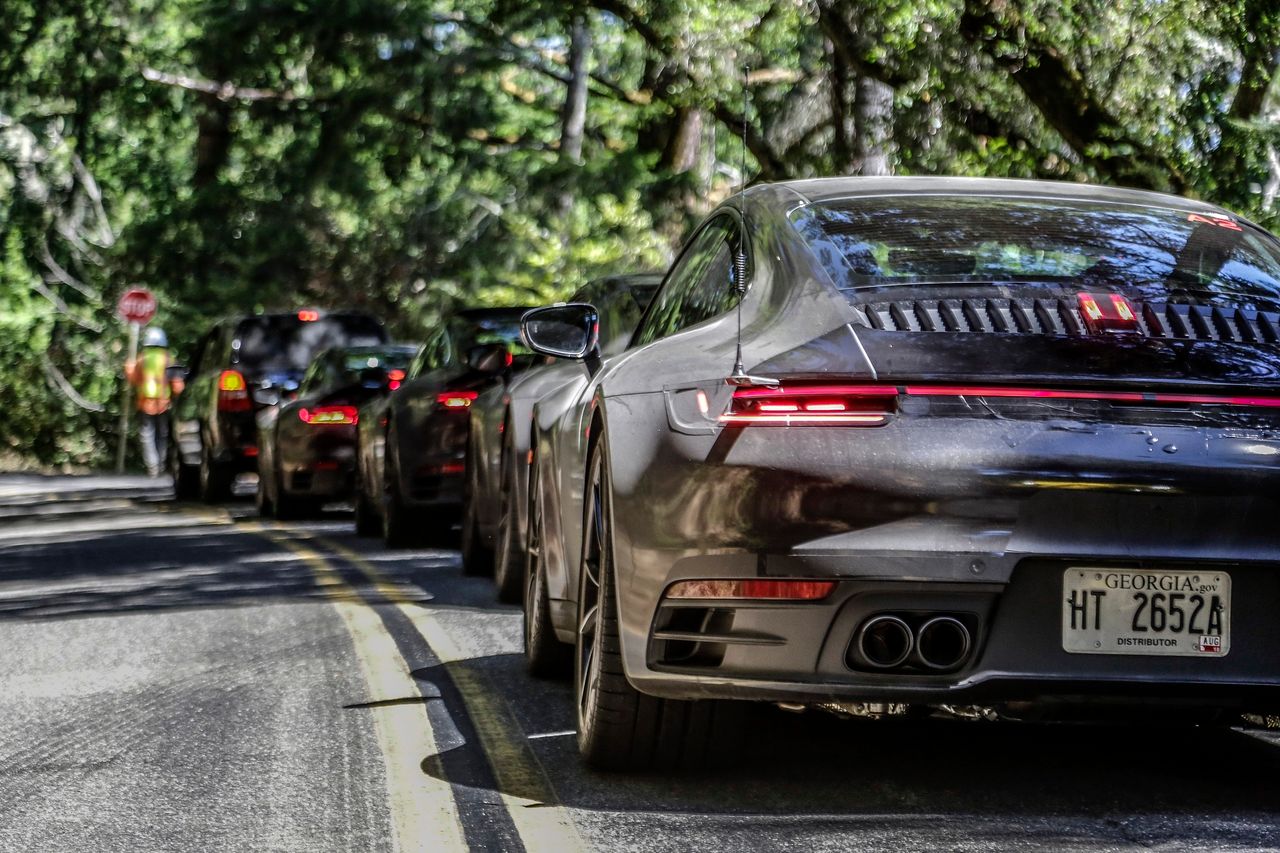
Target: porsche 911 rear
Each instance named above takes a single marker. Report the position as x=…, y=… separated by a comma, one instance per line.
x=1059, y=480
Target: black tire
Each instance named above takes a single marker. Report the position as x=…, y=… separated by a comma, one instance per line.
x=265, y=503
x=477, y=556
x=509, y=559
x=620, y=728
x=368, y=522
x=544, y=654
x=398, y=525
x=186, y=478
x=215, y=479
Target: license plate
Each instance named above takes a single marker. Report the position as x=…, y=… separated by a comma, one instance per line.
x=1146, y=612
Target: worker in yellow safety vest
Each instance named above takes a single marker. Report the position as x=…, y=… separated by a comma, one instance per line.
x=154, y=390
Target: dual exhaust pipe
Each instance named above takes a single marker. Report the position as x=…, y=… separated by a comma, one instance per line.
x=887, y=642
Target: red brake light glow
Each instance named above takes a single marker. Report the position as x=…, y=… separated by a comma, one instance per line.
x=456, y=399
x=330, y=416
x=875, y=405
x=848, y=405
x=1107, y=313
x=308, y=315
x=394, y=379
x=233, y=392
x=787, y=590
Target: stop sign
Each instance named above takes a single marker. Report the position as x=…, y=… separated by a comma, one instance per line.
x=136, y=306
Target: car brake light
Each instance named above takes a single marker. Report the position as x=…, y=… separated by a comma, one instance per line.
x=308, y=315
x=394, y=379
x=1107, y=313
x=330, y=416
x=233, y=392
x=792, y=590
x=838, y=405
x=456, y=399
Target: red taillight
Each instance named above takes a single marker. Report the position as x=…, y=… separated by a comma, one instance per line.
x=847, y=405
x=233, y=392
x=307, y=315
x=791, y=590
x=456, y=399
x=1109, y=312
x=330, y=416
x=394, y=379
x=251, y=451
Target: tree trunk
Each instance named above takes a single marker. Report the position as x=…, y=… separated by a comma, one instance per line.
x=681, y=153
x=873, y=124
x=573, y=117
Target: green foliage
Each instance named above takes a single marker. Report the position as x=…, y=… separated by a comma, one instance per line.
x=405, y=157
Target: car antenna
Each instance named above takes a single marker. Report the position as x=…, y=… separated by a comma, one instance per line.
x=740, y=377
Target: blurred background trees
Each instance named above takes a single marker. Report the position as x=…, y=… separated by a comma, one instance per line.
x=410, y=156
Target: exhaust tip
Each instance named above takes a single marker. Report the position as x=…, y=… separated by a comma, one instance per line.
x=884, y=642
x=943, y=643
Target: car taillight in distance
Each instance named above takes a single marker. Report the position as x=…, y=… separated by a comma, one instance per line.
x=778, y=589
x=456, y=399
x=330, y=416
x=233, y=392
x=813, y=405
x=394, y=379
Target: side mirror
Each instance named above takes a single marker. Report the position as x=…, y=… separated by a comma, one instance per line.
x=489, y=358
x=562, y=331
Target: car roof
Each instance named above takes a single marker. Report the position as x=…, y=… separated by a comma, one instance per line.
x=818, y=190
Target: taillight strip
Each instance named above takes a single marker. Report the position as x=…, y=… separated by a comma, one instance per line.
x=872, y=405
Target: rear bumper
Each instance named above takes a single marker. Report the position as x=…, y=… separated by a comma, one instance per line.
x=801, y=651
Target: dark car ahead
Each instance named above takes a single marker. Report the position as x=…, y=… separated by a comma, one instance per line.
x=240, y=366
x=307, y=447
x=413, y=443
x=497, y=464
x=998, y=446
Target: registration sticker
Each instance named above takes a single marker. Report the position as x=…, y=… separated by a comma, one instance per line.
x=1146, y=612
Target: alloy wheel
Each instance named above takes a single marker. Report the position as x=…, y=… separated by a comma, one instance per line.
x=594, y=555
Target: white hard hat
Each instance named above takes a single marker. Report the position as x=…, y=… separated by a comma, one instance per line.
x=155, y=337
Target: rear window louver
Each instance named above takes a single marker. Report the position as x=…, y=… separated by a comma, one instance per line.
x=1176, y=321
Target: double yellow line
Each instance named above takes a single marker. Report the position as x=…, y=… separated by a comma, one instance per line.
x=423, y=808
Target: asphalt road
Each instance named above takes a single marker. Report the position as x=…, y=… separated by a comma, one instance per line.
x=176, y=677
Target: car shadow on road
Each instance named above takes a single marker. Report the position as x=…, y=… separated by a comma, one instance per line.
x=91, y=562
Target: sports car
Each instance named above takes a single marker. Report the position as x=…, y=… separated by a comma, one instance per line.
x=307, y=445
x=497, y=491
x=412, y=443
x=882, y=444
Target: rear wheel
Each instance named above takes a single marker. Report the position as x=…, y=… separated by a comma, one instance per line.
x=544, y=654
x=367, y=521
x=215, y=478
x=397, y=524
x=264, y=500
x=619, y=727
x=477, y=556
x=186, y=478
x=508, y=566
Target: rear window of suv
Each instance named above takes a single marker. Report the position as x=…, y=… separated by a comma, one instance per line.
x=1149, y=253
x=286, y=344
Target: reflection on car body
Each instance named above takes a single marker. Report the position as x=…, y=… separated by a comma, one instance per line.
x=963, y=400
x=497, y=492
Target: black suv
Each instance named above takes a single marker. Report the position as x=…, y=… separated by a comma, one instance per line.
x=241, y=366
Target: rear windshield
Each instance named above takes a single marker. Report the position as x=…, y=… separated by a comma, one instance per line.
x=355, y=363
x=285, y=344
x=1149, y=253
